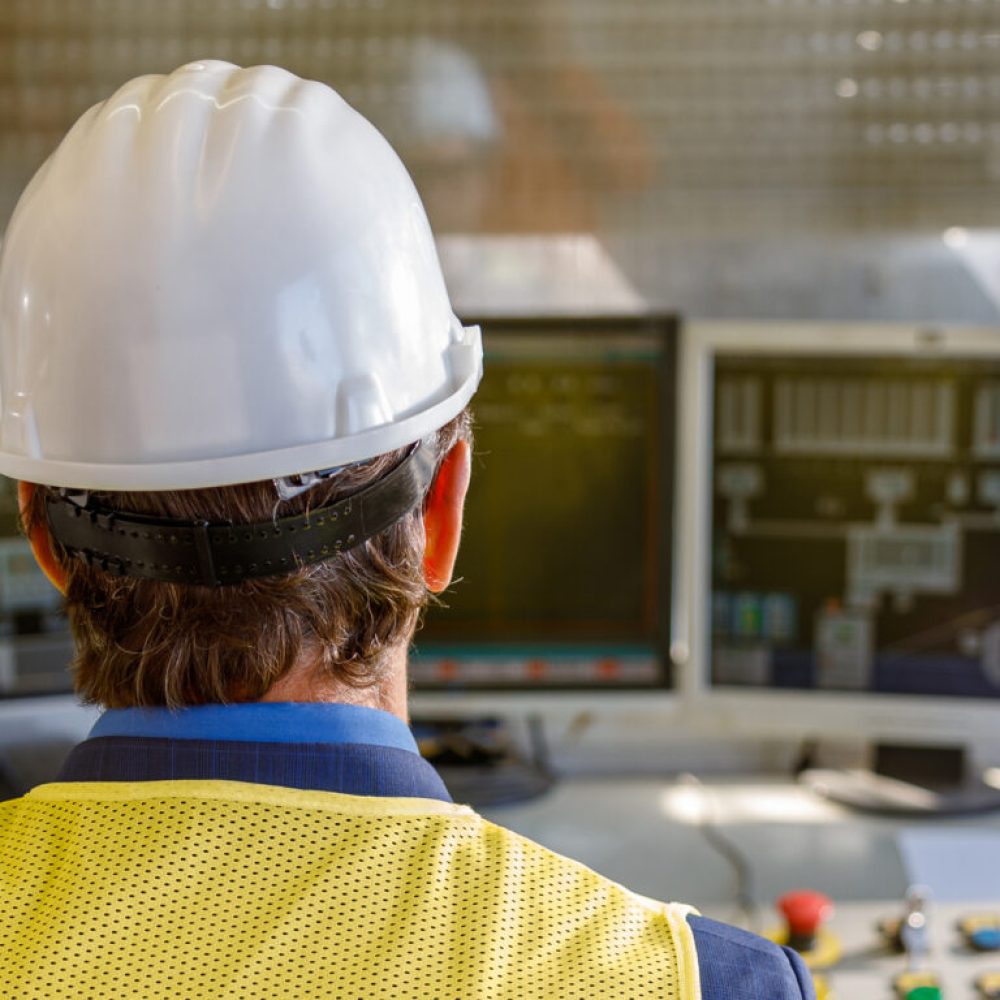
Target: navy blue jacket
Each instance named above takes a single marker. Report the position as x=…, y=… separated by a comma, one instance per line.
x=356, y=751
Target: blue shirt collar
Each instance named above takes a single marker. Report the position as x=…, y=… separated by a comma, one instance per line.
x=262, y=722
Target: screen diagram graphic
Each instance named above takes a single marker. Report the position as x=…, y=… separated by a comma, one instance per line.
x=856, y=524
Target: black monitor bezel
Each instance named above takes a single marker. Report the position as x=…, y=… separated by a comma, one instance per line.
x=665, y=327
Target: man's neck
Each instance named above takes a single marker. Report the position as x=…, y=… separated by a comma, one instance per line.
x=305, y=683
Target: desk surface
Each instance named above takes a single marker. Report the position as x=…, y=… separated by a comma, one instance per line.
x=643, y=833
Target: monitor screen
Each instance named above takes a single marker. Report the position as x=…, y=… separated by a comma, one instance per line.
x=563, y=578
x=855, y=531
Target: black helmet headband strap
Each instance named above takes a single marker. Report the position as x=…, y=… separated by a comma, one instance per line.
x=214, y=555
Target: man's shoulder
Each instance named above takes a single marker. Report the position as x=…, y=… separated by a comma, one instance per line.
x=733, y=964
x=737, y=965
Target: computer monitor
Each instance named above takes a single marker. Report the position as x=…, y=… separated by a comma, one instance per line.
x=563, y=579
x=841, y=484
x=35, y=647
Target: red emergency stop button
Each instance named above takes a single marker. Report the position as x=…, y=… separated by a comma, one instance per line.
x=805, y=911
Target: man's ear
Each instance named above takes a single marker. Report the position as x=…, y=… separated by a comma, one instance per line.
x=443, y=508
x=41, y=541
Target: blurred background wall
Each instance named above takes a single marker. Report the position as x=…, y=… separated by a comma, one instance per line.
x=738, y=158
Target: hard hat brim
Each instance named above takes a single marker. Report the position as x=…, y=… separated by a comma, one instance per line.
x=252, y=467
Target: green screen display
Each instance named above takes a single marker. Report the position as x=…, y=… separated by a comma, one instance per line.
x=565, y=518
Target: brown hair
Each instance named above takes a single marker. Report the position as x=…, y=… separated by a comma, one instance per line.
x=145, y=643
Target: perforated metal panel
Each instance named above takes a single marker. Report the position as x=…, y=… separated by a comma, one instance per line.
x=647, y=121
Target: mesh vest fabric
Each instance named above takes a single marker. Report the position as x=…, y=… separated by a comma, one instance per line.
x=187, y=889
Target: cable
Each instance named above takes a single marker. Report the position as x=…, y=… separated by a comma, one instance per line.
x=722, y=845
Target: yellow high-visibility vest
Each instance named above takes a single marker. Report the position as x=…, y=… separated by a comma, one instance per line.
x=186, y=889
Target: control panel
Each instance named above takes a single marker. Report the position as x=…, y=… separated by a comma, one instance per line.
x=909, y=949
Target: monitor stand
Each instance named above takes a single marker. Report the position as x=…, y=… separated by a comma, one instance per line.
x=908, y=781
x=478, y=764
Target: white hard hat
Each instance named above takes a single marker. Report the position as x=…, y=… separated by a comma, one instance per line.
x=220, y=276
